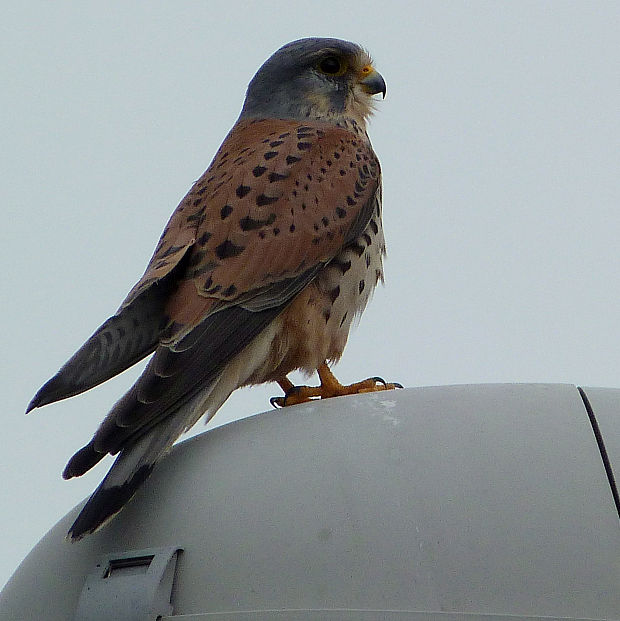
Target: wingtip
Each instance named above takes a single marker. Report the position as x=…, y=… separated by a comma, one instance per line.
x=82, y=461
x=53, y=390
x=44, y=396
x=34, y=403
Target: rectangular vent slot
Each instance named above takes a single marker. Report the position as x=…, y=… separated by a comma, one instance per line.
x=128, y=566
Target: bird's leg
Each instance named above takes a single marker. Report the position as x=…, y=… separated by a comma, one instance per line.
x=295, y=394
x=330, y=387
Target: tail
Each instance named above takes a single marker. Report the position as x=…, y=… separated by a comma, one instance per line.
x=132, y=467
x=136, y=460
x=138, y=455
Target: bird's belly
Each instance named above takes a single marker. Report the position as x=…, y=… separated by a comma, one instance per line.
x=316, y=325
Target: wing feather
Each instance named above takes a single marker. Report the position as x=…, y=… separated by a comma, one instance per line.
x=279, y=201
x=121, y=341
x=280, y=198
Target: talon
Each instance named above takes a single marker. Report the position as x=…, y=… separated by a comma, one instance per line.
x=330, y=387
x=278, y=402
x=293, y=394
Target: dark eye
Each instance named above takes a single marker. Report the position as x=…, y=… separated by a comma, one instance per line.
x=330, y=65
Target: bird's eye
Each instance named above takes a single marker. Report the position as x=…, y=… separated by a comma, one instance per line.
x=331, y=65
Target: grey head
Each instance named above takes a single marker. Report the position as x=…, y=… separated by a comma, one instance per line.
x=314, y=78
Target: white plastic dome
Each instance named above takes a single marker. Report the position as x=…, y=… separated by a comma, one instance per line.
x=426, y=503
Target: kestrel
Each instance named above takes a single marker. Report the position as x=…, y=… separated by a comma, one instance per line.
x=260, y=270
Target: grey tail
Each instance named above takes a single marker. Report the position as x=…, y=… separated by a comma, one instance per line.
x=105, y=503
x=132, y=467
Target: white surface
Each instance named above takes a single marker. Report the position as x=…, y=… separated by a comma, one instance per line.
x=605, y=403
x=499, y=141
x=474, y=499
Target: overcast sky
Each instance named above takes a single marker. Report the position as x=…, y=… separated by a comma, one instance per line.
x=499, y=140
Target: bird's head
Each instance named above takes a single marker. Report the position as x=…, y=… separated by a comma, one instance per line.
x=315, y=78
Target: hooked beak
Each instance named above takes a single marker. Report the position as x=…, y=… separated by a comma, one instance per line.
x=372, y=81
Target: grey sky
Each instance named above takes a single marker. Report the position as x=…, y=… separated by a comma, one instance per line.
x=499, y=140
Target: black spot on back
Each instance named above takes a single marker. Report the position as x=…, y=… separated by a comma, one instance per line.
x=249, y=224
x=262, y=200
x=196, y=217
x=227, y=249
x=171, y=250
x=242, y=190
x=204, y=238
x=277, y=177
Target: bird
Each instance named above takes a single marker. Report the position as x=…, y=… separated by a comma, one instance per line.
x=260, y=271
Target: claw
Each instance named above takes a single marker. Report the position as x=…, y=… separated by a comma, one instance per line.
x=330, y=387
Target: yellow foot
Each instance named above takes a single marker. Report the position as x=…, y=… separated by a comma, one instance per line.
x=330, y=387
